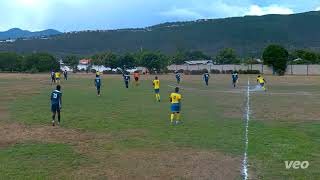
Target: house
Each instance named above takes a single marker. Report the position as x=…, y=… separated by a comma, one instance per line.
x=84, y=64
x=84, y=61
x=199, y=62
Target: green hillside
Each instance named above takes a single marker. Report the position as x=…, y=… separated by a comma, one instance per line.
x=247, y=35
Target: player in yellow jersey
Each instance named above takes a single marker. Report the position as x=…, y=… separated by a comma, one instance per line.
x=262, y=82
x=58, y=76
x=175, y=99
x=156, y=86
x=98, y=73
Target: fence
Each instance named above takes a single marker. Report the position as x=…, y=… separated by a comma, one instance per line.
x=291, y=69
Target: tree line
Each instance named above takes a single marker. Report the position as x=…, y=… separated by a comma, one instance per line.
x=32, y=63
x=274, y=55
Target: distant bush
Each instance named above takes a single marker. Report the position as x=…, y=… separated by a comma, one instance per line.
x=215, y=71
x=249, y=71
x=93, y=71
x=187, y=72
x=181, y=71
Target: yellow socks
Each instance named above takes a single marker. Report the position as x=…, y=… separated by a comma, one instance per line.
x=172, y=118
x=158, y=97
x=178, y=116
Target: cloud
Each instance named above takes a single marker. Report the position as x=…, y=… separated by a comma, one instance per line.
x=318, y=8
x=272, y=9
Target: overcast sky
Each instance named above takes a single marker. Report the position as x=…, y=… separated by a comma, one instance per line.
x=71, y=15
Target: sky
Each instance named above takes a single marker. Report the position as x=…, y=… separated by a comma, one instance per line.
x=76, y=15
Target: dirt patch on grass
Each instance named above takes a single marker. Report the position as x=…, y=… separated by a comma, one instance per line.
x=174, y=164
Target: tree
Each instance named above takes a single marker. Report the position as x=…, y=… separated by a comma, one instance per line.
x=153, y=61
x=227, y=56
x=127, y=61
x=71, y=61
x=40, y=62
x=10, y=61
x=277, y=57
x=110, y=60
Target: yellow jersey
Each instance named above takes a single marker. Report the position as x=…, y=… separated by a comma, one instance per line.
x=57, y=74
x=175, y=98
x=260, y=80
x=156, y=84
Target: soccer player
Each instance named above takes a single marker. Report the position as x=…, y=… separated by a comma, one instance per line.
x=58, y=76
x=98, y=73
x=136, y=76
x=178, y=77
x=206, y=77
x=235, y=78
x=53, y=78
x=126, y=78
x=56, y=103
x=156, y=85
x=262, y=82
x=97, y=83
x=175, y=99
x=65, y=74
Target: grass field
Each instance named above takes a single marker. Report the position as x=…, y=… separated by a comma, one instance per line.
x=126, y=134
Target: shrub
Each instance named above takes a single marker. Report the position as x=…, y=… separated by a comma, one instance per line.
x=249, y=71
x=215, y=71
x=181, y=71
x=187, y=72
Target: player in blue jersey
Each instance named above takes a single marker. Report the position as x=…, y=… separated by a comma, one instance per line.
x=178, y=77
x=235, y=78
x=97, y=83
x=56, y=103
x=65, y=74
x=126, y=78
x=53, y=77
x=206, y=77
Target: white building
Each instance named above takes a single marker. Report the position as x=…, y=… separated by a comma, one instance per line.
x=199, y=62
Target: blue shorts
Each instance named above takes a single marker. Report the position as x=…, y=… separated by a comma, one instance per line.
x=98, y=87
x=58, y=79
x=261, y=84
x=175, y=107
x=157, y=91
x=55, y=108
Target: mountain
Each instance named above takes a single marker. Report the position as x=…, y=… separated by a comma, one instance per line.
x=16, y=33
x=248, y=35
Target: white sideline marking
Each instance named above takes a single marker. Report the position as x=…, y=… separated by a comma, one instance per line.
x=247, y=119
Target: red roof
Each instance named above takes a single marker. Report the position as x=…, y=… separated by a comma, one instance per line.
x=84, y=61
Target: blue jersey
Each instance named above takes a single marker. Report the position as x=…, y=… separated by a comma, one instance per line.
x=56, y=97
x=206, y=76
x=178, y=76
x=234, y=77
x=97, y=81
x=126, y=78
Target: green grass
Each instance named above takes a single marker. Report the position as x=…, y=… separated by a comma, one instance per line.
x=38, y=161
x=282, y=127
x=119, y=110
